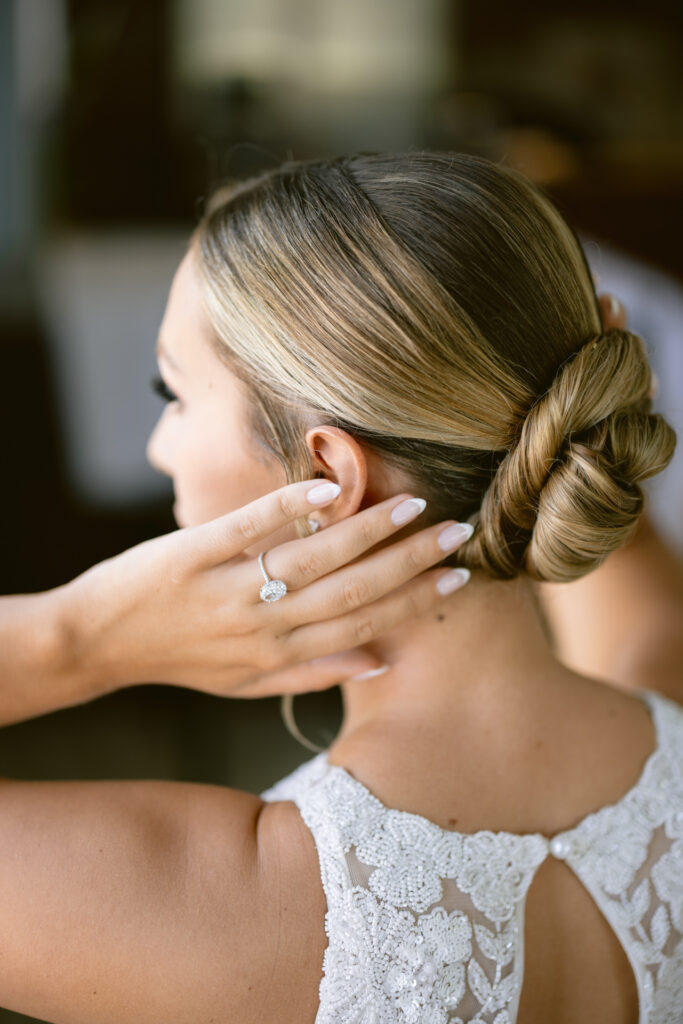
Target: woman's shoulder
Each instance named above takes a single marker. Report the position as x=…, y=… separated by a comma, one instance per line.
x=290, y=868
x=138, y=893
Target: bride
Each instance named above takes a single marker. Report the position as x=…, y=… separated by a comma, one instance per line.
x=491, y=837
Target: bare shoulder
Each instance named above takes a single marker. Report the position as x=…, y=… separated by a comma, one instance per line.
x=150, y=901
x=297, y=911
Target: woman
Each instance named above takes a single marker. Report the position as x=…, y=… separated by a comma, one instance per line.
x=421, y=323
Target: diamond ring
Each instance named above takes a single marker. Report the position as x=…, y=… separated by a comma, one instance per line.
x=272, y=590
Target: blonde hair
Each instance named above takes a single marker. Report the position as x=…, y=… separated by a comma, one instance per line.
x=438, y=308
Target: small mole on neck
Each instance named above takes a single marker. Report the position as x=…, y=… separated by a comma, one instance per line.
x=440, y=618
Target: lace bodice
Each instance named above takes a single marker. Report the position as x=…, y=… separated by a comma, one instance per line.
x=426, y=925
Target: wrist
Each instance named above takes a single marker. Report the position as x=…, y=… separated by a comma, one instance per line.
x=42, y=668
x=76, y=643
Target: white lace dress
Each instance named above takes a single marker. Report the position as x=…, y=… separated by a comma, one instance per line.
x=426, y=925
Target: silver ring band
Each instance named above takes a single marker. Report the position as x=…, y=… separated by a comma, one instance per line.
x=272, y=590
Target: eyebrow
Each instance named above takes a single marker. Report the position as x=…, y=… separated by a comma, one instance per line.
x=161, y=351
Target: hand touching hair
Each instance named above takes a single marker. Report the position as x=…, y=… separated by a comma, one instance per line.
x=438, y=308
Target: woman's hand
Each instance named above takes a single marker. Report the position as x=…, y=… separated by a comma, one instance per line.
x=185, y=608
x=614, y=315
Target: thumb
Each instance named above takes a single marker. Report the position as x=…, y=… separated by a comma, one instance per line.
x=323, y=673
x=612, y=311
x=353, y=665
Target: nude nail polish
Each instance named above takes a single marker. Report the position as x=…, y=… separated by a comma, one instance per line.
x=407, y=510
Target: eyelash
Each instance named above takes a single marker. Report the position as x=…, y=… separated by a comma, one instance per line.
x=160, y=388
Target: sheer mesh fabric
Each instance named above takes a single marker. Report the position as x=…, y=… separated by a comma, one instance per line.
x=426, y=926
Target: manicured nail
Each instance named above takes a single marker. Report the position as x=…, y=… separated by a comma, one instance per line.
x=450, y=581
x=370, y=674
x=323, y=492
x=455, y=535
x=407, y=510
x=614, y=305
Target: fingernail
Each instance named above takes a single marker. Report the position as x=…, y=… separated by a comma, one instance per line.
x=450, y=581
x=455, y=535
x=323, y=492
x=614, y=305
x=407, y=510
x=370, y=674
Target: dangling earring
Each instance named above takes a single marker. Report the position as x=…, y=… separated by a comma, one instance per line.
x=287, y=713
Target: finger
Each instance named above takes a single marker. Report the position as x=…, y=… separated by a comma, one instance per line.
x=318, y=674
x=413, y=599
x=377, y=574
x=301, y=562
x=228, y=536
x=612, y=311
x=410, y=601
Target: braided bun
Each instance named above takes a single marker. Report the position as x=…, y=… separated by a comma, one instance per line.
x=568, y=493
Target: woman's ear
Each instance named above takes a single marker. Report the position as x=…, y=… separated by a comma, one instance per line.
x=338, y=457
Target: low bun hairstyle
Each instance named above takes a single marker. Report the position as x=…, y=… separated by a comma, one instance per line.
x=438, y=308
x=567, y=493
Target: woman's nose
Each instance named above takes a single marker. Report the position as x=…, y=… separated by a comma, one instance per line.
x=157, y=455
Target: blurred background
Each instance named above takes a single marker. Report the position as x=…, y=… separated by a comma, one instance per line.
x=117, y=117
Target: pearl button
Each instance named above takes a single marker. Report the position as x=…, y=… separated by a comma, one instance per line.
x=559, y=847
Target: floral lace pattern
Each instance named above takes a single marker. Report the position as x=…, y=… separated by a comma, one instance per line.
x=425, y=925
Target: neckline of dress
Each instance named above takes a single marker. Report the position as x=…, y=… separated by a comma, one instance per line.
x=651, y=701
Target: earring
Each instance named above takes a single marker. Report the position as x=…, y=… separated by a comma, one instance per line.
x=313, y=523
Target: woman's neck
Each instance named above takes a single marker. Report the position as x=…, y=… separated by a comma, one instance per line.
x=482, y=654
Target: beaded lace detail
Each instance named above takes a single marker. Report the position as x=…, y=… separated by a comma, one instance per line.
x=426, y=925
